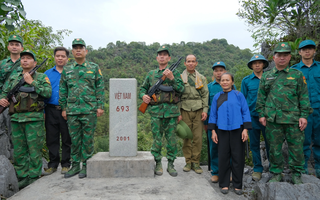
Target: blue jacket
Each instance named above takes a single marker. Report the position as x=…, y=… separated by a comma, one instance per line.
x=229, y=110
x=249, y=88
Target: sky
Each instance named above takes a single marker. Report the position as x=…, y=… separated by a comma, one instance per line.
x=100, y=22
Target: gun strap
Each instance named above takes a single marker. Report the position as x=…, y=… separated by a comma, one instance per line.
x=14, y=67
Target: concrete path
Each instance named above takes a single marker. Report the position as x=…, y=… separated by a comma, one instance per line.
x=187, y=185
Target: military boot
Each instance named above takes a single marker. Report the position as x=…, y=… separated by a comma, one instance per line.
x=187, y=167
x=296, y=179
x=196, y=167
x=49, y=171
x=171, y=169
x=23, y=183
x=75, y=169
x=83, y=172
x=31, y=180
x=276, y=178
x=256, y=176
x=158, y=170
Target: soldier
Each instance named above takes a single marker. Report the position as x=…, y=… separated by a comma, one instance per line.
x=311, y=71
x=55, y=123
x=249, y=88
x=9, y=66
x=27, y=119
x=82, y=101
x=283, y=107
x=194, y=108
x=165, y=111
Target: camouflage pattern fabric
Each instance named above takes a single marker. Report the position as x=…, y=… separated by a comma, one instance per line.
x=163, y=110
x=166, y=126
x=283, y=96
x=28, y=140
x=7, y=68
x=81, y=88
x=276, y=133
x=81, y=129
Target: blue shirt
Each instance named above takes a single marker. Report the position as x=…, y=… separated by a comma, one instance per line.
x=249, y=89
x=312, y=76
x=229, y=110
x=54, y=77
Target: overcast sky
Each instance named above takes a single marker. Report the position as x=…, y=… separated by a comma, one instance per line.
x=100, y=22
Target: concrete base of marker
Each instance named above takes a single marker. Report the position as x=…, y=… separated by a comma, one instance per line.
x=101, y=165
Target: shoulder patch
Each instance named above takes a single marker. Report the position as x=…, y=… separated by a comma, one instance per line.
x=47, y=80
x=304, y=80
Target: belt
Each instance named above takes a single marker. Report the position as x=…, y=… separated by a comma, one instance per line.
x=57, y=107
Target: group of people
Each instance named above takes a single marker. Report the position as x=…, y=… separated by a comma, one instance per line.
x=281, y=104
x=65, y=100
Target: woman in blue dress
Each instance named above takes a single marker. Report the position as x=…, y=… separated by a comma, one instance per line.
x=229, y=121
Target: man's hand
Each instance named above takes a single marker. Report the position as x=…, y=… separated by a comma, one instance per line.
x=303, y=123
x=168, y=74
x=244, y=136
x=4, y=103
x=146, y=99
x=28, y=78
x=214, y=137
x=64, y=114
x=204, y=116
x=179, y=118
x=263, y=121
x=99, y=112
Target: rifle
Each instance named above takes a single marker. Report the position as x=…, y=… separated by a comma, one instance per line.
x=11, y=93
x=156, y=86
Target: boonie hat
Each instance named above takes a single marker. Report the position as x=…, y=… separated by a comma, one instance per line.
x=258, y=57
x=307, y=43
x=183, y=131
x=219, y=64
x=164, y=48
x=78, y=41
x=282, y=47
x=30, y=53
x=17, y=38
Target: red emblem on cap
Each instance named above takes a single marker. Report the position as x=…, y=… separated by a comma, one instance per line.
x=14, y=36
x=218, y=62
x=283, y=44
x=77, y=39
x=163, y=47
x=257, y=56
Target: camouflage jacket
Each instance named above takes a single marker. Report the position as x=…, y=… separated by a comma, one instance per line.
x=81, y=88
x=283, y=96
x=6, y=70
x=42, y=87
x=162, y=110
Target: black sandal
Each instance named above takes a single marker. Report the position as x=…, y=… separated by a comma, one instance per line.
x=238, y=192
x=224, y=191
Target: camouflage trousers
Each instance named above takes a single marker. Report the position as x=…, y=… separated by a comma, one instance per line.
x=168, y=127
x=27, y=138
x=276, y=134
x=81, y=130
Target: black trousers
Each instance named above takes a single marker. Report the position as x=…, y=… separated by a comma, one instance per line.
x=55, y=124
x=230, y=145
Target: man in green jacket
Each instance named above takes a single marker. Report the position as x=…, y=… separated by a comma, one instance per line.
x=165, y=111
x=283, y=107
x=27, y=120
x=194, y=109
x=82, y=101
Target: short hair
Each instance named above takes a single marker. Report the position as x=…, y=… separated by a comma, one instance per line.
x=61, y=49
x=185, y=59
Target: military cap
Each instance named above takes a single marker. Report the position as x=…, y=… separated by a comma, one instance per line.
x=183, y=131
x=78, y=41
x=30, y=53
x=164, y=48
x=307, y=43
x=258, y=57
x=219, y=64
x=17, y=38
x=282, y=47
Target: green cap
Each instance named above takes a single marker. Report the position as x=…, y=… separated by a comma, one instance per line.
x=78, y=41
x=30, y=53
x=183, y=130
x=164, y=48
x=282, y=47
x=17, y=38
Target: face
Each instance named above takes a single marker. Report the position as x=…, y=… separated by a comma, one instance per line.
x=282, y=59
x=27, y=62
x=217, y=72
x=307, y=52
x=163, y=58
x=79, y=51
x=226, y=82
x=191, y=63
x=61, y=58
x=15, y=47
x=257, y=66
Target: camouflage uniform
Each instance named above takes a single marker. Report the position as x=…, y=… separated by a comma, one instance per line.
x=283, y=99
x=81, y=94
x=163, y=115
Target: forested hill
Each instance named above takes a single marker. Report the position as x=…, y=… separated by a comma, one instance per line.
x=134, y=60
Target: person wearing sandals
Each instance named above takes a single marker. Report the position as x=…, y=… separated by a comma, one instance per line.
x=230, y=132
